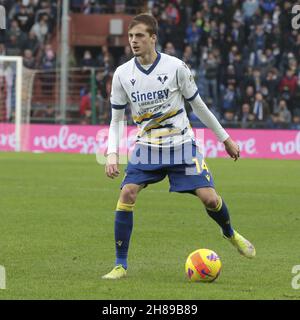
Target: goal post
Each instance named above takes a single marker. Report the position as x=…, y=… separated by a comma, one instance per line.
x=18, y=99
x=18, y=120
x=11, y=92
x=16, y=84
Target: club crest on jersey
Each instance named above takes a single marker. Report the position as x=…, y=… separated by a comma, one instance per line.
x=162, y=79
x=132, y=81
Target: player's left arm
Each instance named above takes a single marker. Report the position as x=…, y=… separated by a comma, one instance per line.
x=232, y=148
x=189, y=90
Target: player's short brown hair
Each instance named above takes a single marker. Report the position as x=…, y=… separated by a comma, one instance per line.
x=146, y=19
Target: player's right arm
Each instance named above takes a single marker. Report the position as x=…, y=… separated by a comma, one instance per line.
x=118, y=101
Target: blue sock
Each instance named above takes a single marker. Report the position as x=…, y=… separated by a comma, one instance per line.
x=123, y=229
x=222, y=218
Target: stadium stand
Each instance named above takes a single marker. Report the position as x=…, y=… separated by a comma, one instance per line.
x=243, y=54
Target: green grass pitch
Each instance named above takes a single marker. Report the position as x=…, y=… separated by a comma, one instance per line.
x=57, y=237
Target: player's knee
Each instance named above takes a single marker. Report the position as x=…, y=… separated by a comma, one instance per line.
x=211, y=202
x=128, y=194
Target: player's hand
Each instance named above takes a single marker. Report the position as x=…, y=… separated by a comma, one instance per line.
x=112, y=165
x=232, y=148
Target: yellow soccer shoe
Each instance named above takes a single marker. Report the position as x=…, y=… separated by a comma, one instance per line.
x=116, y=273
x=244, y=247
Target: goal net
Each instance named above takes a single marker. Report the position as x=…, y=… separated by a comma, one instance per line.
x=15, y=101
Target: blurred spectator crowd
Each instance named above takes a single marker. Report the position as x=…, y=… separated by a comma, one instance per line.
x=106, y=6
x=30, y=25
x=244, y=55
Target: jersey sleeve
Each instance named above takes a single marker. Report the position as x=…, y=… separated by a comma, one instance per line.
x=115, y=130
x=186, y=82
x=118, y=97
x=208, y=118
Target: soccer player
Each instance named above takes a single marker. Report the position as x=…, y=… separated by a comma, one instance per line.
x=155, y=85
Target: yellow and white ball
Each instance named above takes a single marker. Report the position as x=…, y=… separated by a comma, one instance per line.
x=203, y=265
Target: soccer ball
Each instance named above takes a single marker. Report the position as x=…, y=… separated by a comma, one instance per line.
x=203, y=265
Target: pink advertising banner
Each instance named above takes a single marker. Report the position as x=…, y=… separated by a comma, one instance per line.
x=279, y=144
